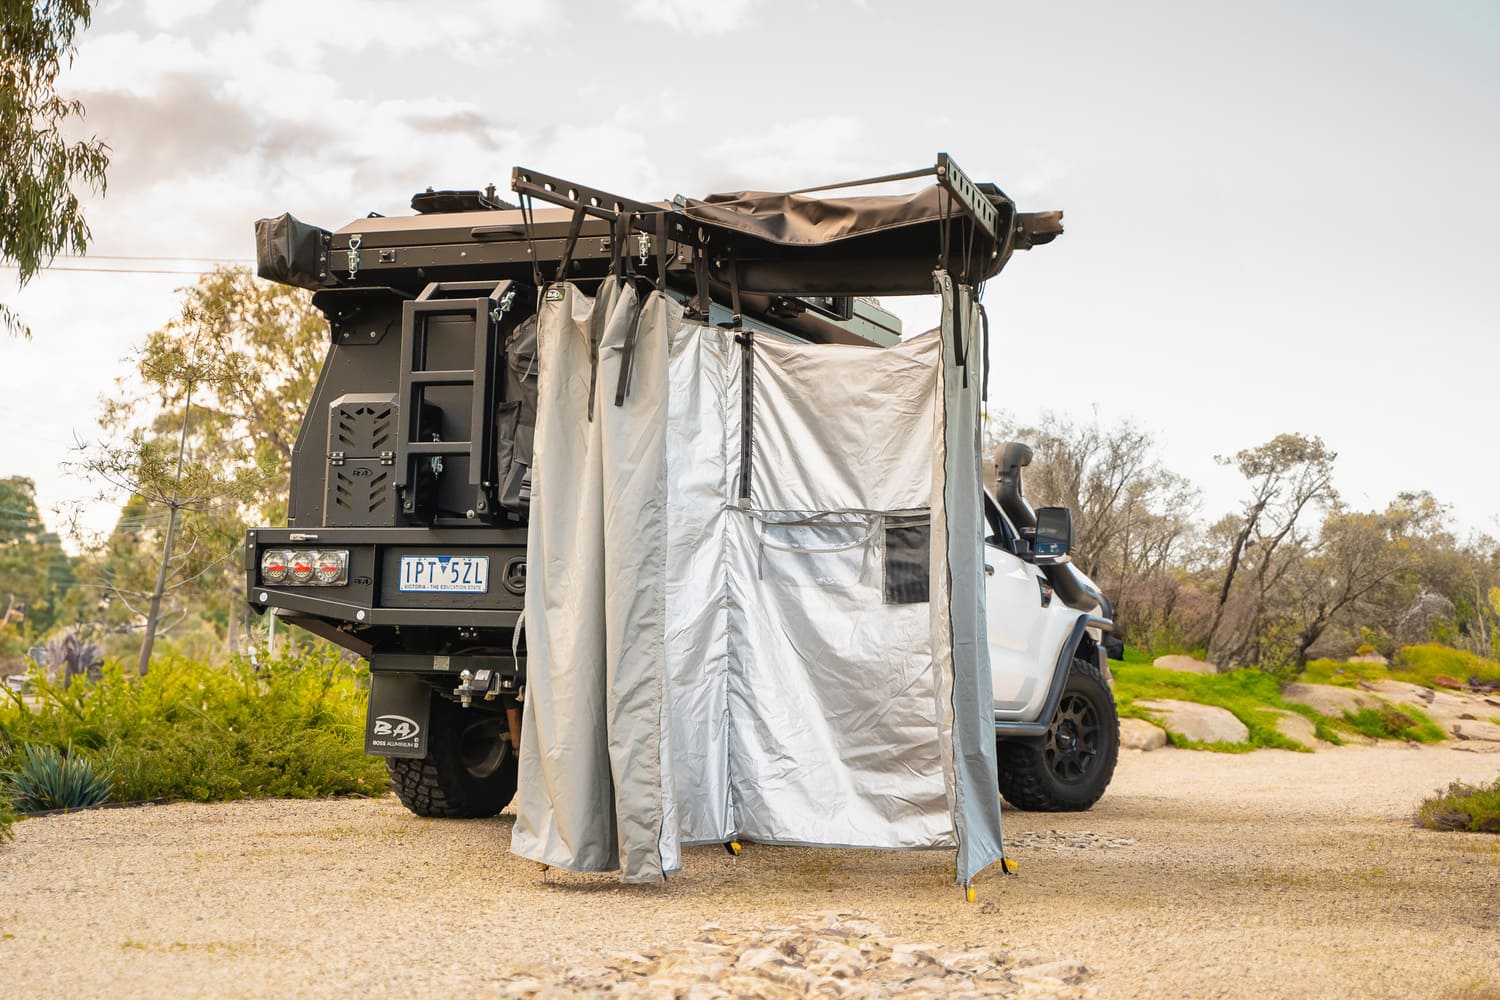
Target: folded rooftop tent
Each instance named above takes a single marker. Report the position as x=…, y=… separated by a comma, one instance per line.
x=794, y=244
x=754, y=602
x=781, y=249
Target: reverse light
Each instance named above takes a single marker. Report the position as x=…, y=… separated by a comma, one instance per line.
x=305, y=567
x=329, y=567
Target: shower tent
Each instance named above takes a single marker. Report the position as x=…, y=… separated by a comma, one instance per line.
x=754, y=601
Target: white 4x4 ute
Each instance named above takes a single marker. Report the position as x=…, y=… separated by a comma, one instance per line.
x=1057, y=731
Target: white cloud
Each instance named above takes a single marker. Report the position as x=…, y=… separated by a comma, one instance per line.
x=696, y=17
x=124, y=62
x=304, y=34
x=172, y=13
x=796, y=154
x=613, y=155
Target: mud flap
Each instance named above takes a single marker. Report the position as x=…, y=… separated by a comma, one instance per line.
x=396, y=724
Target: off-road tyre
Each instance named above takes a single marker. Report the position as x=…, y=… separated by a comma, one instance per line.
x=470, y=768
x=1069, y=769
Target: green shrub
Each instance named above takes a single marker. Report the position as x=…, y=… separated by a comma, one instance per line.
x=48, y=778
x=1392, y=723
x=1431, y=660
x=7, y=817
x=292, y=728
x=1475, y=808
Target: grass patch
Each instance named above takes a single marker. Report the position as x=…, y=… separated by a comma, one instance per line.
x=1475, y=808
x=1250, y=695
x=1254, y=697
x=1431, y=660
x=292, y=729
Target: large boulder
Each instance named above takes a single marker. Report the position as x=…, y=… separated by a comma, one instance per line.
x=1475, y=729
x=1184, y=664
x=1138, y=734
x=1325, y=699
x=1298, y=728
x=1201, y=723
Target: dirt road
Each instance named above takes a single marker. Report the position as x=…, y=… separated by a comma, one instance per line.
x=1199, y=875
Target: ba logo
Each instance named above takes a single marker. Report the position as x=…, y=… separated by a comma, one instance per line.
x=397, y=727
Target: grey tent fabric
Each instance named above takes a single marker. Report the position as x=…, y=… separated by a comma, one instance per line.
x=564, y=757
x=822, y=702
x=703, y=431
x=802, y=666
x=958, y=619
x=593, y=727
x=634, y=485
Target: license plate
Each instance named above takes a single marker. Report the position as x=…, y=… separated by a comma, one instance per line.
x=445, y=574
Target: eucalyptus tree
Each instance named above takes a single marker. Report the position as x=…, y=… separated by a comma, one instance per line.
x=41, y=168
x=200, y=437
x=1289, y=477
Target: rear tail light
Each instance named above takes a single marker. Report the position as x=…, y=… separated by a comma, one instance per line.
x=273, y=567
x=305, y=567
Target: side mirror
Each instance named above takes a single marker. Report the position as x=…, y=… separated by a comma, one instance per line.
x=1054, y=535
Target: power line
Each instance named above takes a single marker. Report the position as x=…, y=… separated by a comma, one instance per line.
x=121, y=256
x=111, y=270
x=112, y=264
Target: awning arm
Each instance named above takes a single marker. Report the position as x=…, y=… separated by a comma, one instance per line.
x=966, y=195
x=604, y=205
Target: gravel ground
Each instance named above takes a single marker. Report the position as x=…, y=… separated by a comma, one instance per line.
x=1199, y=875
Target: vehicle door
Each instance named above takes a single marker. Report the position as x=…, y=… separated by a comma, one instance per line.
x=1023, y=621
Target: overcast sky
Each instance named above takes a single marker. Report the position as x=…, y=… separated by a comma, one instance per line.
x=1280, y=216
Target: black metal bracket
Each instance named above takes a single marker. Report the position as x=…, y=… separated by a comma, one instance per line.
x=967, y=193
x=604, y=205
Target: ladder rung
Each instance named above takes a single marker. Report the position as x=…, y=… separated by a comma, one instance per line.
x=436, y=376
x=437, y=448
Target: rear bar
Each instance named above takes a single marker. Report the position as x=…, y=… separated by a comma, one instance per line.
x=355, y=603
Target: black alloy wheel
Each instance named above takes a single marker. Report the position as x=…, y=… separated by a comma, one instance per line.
x=1069, y=768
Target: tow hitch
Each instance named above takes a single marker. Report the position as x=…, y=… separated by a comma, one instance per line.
x=484, y=684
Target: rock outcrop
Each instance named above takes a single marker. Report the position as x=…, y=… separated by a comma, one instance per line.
x=1299, y=728
x=1185, y=664
x=1201, y=723
x=1138, y=734
x=1325, y=699
x=1463, y=716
